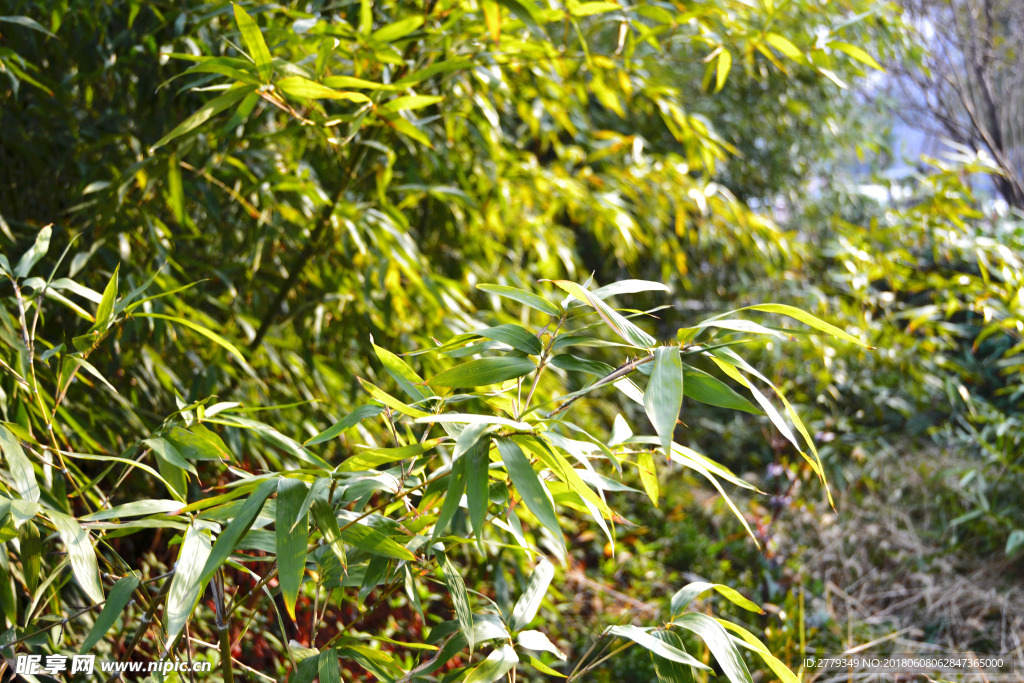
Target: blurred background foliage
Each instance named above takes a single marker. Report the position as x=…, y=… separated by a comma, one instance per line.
x=739, y=151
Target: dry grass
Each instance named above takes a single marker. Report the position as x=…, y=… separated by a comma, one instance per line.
x=890, y=580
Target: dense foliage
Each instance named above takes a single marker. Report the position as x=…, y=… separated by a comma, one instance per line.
x=271, y=223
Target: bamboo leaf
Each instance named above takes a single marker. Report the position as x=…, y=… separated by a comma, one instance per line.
x=252, y=37
x=452, y=498
x=526, y=298
x=685, y=595
x=668, y=670
x=655, y=645
x=188, y=581
x=460, y=598
x=205, y=113
x=857, y=53
x=374, y=542
x=37, y=251
x=200, y=329
x=80, y=552
x=477, y=484
x=664, y=396
x=495, y=666
x=629, y=332
x=528, y=603
x=390, y=401
x=535, y=640
x=303, y=88
x=119, y=596
x=648, y=476
x=528, y=485
x=169, y=453
x=291, y=536
x=752, y=642
x=232, y=535
x=134, y=509
x=31, y=554
x=328, y=668
x=106, y=306
x=516, y=336
x=407, y=379
x=484, y=371
x=323, y=517
x=347, y=422
x=19, y=465
x=718, y=641
x=700, y=386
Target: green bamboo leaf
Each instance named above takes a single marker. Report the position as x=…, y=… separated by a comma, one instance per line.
x=668, y=670
x=323, y=517
x=398, y=29
x=407, y=379
x=376, y=571
x=106, y=306
x=27, y=22
x=567, y=361
x=205, y=113
x=31, y=555
x=80, y=552
x=374, y=542
x=328, y=668
x=484, y=371
x=411, y=102
x=303, y=88
x=516, y=336
x=655, y=645
x=460, y=598
x=254, y=43
x=200, y=329
x=134, y=509
x=456, y=485
x=367, y=460
x=685, y=595
x=119, y=596
x=317, y=491
x=495, y=666
x=629, y=332
x=164, y=449
x=175, y=478
x=752, y=642
x=700, y=386
x=390, y=401
x=664, y=396
x=528, y=485
x=474, y=420
x=800, y=315
x=539, y=665
x=37, y=251
x=720, y=644
x=523, y=297
x=857, y=53
x=347, y=422
x=291, y=539
x=538, y=641
x=198, y=443
x=629, y=287
x=565, y=471
x=19, y=465
x=477, y=484
x=528, y=603
x=243, y=521
x=648, y=476
x=188, y=581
